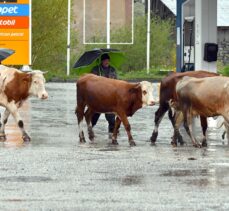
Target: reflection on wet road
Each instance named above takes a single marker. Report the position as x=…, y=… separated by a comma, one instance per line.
x=55, y=172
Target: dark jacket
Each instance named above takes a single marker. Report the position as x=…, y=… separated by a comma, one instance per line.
x=105, y=72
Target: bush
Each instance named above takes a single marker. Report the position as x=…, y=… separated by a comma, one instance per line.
x=224, y=71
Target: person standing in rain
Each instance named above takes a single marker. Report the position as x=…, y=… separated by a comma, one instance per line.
x=105, y=70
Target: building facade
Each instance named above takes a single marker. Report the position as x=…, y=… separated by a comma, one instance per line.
x=95, y=17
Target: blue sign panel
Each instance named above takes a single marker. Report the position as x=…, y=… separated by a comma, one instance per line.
x=14, y=10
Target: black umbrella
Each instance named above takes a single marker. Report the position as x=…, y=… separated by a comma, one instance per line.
x=92, y=58
x=5, y=53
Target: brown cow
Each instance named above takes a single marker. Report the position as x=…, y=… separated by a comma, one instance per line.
x=15, y=88
x=207, y=97
x=105, y=95
x=167, y=93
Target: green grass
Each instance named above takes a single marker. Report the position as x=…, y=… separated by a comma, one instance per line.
x=60, y=76
x=225, y=71
x=142, y=74
x=132, y=75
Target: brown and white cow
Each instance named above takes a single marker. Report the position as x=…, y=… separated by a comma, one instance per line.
x=168, y=93
x=105, y=95
x=15, y=88
x=207, y=97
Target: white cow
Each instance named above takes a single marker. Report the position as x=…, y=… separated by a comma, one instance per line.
x=15, y=88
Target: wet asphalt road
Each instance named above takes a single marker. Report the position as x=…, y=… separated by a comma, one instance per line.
x=55, y=172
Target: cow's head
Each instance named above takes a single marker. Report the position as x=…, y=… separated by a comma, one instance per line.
x=37, y=87
x=147, y=93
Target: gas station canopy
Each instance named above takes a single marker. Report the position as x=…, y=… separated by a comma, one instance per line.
x=196, y=24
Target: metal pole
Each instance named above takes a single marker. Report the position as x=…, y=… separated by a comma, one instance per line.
x=69, y=37
x=108, y=23
x=148, y=38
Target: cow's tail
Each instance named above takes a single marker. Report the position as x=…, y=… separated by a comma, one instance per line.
x=79, y=98
x=220, y=122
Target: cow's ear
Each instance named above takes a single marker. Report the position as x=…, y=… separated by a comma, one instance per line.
x=135, y=89
x=27, y=77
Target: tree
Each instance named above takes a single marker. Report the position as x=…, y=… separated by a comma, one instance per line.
x=162, y=48
x=49, y=34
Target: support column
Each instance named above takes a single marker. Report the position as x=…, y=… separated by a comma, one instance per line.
x=179, y=35
x=205, y=31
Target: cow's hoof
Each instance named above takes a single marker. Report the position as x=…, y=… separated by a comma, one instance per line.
x=82, y=140
x=132, y=143
x=181, y=141
x=114, y=142
x=91, y=135
x=91, y=138
x=2, y=137
x=174, y=143
x=197, y=145
x=153, y=143
x=26, y=138
x=153, y=138
x=204, y=144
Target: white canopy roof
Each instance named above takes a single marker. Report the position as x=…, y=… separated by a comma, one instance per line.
x=222, y=10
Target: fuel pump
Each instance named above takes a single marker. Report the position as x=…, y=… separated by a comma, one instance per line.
x=188, y=44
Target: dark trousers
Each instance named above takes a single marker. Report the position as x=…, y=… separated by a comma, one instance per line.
x=109, y=117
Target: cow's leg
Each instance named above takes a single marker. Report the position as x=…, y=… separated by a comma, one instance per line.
x=79, y=111
x=128, y=128
x=188, y=128
x=115, y=131
x=88, y=115
x=172, y=117
x=13, y=109
x=226, y=125
x=224, y=133
x=3, y=123
x=157, y=120
x=178, y=119
x=227, y=131
x=95, y=118
x=204, y=125
x=111, y=122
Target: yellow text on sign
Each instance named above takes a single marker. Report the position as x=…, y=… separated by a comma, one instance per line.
x=14, y=34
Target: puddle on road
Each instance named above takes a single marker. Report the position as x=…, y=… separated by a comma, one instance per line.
x=131, y=180
x=13, y=200
x=216, y=176
x=15, y=143
x=212, y=181
x=104, y=146
x=199, y=182
x=111, y=149
x=186, y=172
x=25, y=179
x=127, y=180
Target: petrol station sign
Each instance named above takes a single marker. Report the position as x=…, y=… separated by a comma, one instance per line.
x=15, y=31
